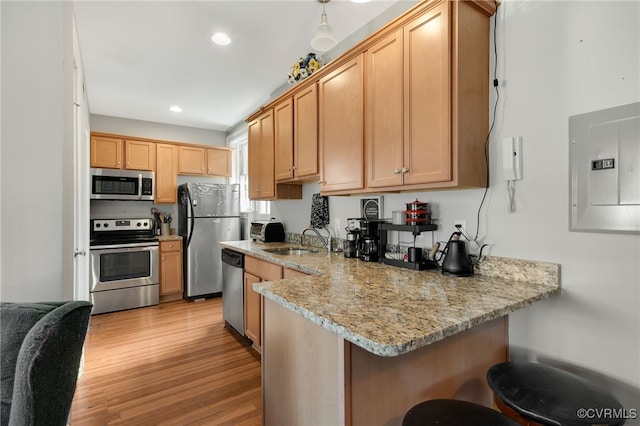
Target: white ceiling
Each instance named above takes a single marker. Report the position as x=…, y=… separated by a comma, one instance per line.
x=142, y=57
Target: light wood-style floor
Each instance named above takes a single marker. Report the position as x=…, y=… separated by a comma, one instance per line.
x=171, y=364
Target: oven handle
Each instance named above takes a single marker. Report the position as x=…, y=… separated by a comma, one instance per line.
x=121, y=246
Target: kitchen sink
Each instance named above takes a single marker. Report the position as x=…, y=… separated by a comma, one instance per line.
x=296, y=251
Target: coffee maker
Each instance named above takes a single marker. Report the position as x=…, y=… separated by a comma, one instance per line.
x=369, y=242
x=350, y=247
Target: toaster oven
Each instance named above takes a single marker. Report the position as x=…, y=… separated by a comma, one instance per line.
x=267, y=232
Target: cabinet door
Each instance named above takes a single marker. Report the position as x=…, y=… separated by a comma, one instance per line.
x=139, y=155
x=341, y=127
x=166, y=173
x=261, y=157
x=427, y=70
x=170, y=267
x=190, y=160
x=283, y=118
x=252, y=310
x=305, y=125
x=106, y=152
x=218, y=162
x=383, y=112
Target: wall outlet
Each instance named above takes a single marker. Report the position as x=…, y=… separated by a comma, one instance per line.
x=460, y=225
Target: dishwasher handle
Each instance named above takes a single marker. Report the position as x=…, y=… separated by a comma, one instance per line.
x=233, y=258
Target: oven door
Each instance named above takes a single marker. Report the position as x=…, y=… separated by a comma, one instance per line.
x=121, y=266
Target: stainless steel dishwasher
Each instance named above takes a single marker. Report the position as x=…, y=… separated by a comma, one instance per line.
x=233, y=289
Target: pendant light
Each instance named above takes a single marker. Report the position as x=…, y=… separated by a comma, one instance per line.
x=323, y=40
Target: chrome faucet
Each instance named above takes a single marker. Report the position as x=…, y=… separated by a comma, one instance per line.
x=326, y=243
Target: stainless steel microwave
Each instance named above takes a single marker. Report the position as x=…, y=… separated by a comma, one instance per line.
x=111, y=184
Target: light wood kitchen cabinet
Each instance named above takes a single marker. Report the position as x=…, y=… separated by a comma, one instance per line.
x=256, y=270
x=407, y=108
x=219, y=162
x=117, y=153
x=106, y=152
x=425, y=96
x=139, y=155
x=261, y=157
x=341, y=114
x=166, y=173
x=283, y=140
x=252, y=310
x=296, y=136
x=191, y=160
x=171, y=268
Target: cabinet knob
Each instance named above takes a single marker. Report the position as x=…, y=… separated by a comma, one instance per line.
x=405, y=170
x=396, y=171
x=294, y=167
x=163, y=258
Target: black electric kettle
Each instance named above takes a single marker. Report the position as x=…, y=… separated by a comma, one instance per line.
x=456, y=260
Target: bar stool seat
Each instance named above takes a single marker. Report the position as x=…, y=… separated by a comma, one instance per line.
x=452, y=412
x=550, y=396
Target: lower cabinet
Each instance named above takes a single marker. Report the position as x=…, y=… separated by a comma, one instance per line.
x=256, y=270
x=170, y=270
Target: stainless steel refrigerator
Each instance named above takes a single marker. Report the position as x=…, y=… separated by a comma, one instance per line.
x=207, y=214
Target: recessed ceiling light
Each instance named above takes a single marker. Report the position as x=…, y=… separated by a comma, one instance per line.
x=175, y=108
x=221, y=38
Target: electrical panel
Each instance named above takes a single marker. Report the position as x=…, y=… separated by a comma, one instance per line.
x=604, y=166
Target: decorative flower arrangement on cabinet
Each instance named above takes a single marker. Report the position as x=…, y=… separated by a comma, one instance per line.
x=303, y=68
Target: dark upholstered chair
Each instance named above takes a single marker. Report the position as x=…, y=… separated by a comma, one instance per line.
x=41, y=347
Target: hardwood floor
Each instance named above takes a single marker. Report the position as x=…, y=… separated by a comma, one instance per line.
x=171, y=364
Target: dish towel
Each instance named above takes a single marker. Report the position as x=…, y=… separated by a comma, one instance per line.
x=319, y=211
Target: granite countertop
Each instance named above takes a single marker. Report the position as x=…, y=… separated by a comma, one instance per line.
x=388, y=310
x=169, y=237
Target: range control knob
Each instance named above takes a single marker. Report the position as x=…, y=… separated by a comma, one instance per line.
x=138, y=224
x=106, y=225
x=97, y=224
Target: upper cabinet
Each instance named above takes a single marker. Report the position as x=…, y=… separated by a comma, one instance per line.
x=139, y=155
x=405, y=109
x=191, y=160
x=262, y=182
x=341, y=128
x=166, y=174
x=261, y=157
x=219, y=162
x=117, y=153
x=106, y=152
x=296, y=136
x=166, y=159
x=408, y=139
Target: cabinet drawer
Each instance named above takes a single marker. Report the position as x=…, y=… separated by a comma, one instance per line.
x=170, y=245
x=265, y=270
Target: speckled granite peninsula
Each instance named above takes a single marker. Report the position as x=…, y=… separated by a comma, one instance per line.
x=391, y=311
x=358, y=343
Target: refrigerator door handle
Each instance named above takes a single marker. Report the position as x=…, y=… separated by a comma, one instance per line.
x=192, y=216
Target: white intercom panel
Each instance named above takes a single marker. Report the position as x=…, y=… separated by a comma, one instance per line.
x=512, y=158
x=604, y=156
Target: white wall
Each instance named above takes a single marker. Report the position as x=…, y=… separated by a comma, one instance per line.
x=36, y=129
x=151, y=130
x=555, y=59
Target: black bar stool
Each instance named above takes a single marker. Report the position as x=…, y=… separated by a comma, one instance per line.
x=452, y=412
x=535, y=394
